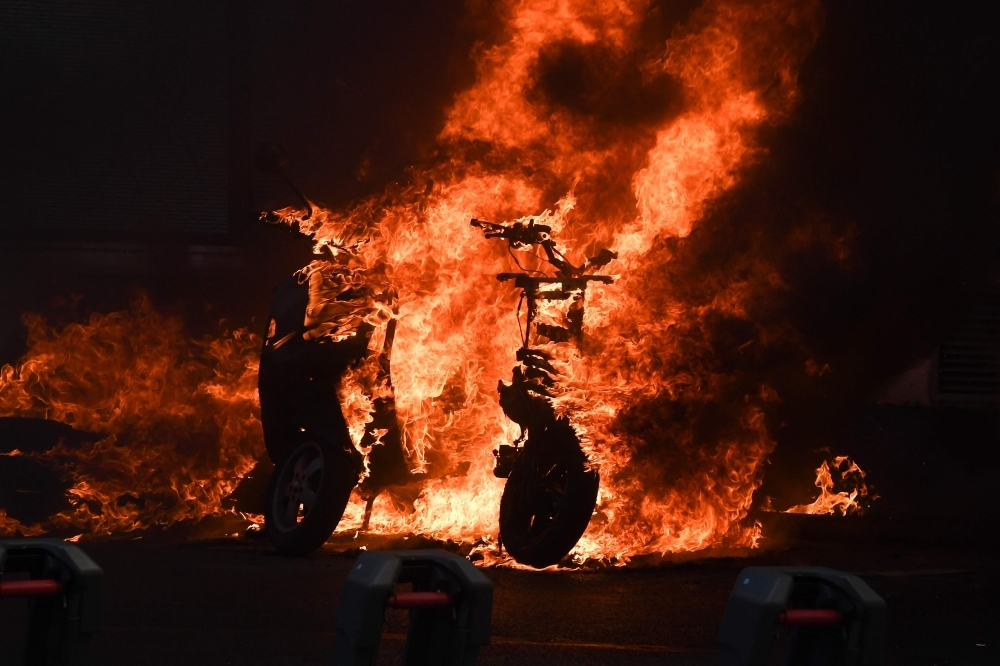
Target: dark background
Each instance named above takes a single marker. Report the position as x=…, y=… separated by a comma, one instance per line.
x=127, y=131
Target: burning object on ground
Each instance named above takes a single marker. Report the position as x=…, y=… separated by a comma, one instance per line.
x=830, y=501
x=325, y=321
x=551, y=488
x=842, y=489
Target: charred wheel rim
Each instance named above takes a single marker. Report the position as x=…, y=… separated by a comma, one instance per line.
x=548, y=501
x=298, y=487
x=539, y=503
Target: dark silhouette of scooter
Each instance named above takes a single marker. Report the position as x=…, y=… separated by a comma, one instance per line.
x=551, y=490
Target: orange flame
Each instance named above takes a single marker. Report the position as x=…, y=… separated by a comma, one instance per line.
x=603, y=174
x=844, y=501
x=10, y=526
x=175, y=420
x=509, y=152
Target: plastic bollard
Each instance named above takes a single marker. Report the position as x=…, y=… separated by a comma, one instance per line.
x=830, y=618
x=805, y=617
x=30, y=588
x=451, y=608
x=420, y=600
x=65, y=586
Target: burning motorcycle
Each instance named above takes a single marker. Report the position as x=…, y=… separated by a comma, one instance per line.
x=551, y=490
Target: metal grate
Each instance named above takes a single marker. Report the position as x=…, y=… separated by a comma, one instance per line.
x=968, y=367
x=113, y=118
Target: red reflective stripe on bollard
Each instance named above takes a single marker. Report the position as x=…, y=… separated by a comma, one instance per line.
x=811, y=616
x=30, y=588
x=419, y=600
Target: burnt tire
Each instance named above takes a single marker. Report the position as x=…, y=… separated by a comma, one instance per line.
x=307, y=495
x=548, y=500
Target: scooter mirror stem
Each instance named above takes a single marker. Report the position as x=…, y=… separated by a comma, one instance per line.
x=270, y=159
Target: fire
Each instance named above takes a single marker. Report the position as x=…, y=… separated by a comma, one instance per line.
x=510, y=148
x=618, y=139
x=844, y=501
x=174, y=421
x=9, y=525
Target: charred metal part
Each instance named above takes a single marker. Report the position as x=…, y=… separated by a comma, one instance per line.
x=574, y=316
x=387, y=460
x=523, y=281
x=505, y=456
x=601, y=259
x=525, y=402
x=270, y=159
x=554, y=333
x=536, y=358
x=369, y=504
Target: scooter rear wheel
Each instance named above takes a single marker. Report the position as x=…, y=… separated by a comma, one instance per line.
x=306, y=498
x=548, y=500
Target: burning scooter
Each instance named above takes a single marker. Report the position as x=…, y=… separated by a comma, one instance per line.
x=330, y=316
x=551, y=488
x=339, y=312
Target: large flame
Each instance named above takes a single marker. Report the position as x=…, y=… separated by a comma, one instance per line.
x=602, y=176
x=619, y=140
x=174, y=421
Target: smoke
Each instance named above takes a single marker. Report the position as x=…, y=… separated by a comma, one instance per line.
x=858, y=237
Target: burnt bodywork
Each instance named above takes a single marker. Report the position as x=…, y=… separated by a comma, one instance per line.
x=551, y=488
x=298, y=381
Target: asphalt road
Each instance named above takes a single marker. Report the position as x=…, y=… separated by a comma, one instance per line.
x=235, y=602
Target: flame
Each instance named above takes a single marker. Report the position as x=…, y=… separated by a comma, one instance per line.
x=175, y=421
x=630, y=175
x=507, y=152
x=844, y=501
x=10, y=525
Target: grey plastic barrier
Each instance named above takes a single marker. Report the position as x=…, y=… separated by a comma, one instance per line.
x=451, y=606
x=65, y=587
x=802, y=615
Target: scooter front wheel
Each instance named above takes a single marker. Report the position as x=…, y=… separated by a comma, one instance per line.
x=548, y=500
x=306, y=498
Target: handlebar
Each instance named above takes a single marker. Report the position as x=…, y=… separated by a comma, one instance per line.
x=525, y=281
x=520, y=235
x=517, y=233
